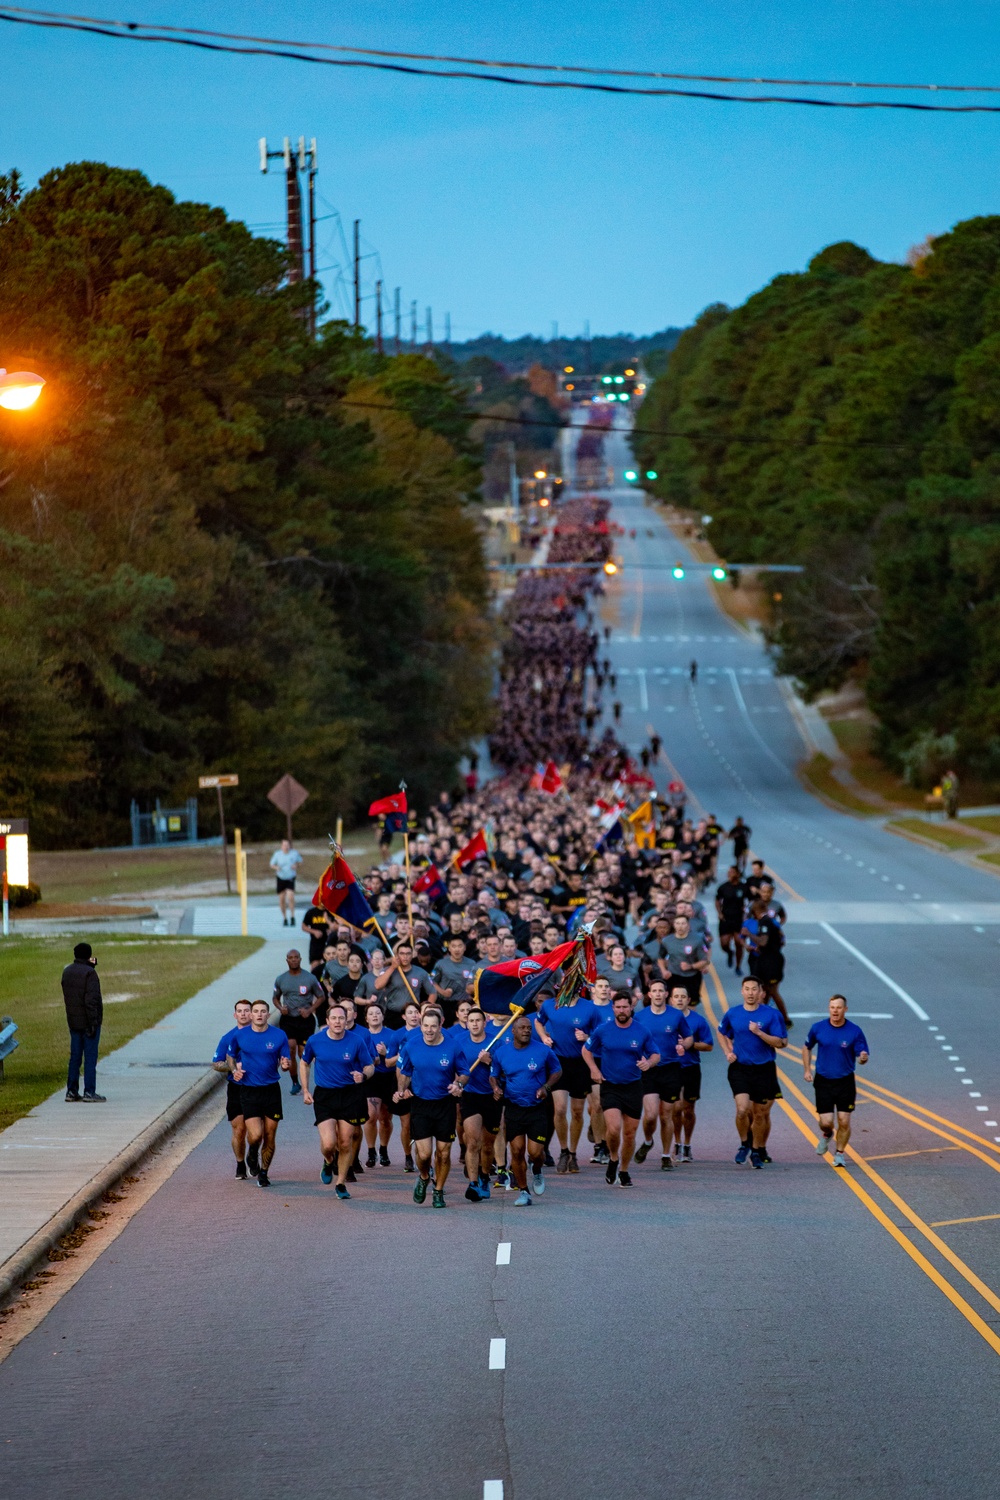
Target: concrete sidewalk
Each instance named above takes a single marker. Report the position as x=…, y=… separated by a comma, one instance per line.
x=49, y=1158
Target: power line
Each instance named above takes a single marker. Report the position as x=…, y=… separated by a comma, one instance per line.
x=136, y=31
x=491, y=62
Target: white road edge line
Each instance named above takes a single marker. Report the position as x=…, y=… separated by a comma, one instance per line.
x=503, y=1253
x=492, y=1489
x=498, y=1354
x=643, y=697
x=917, y=1010
x=741, y=702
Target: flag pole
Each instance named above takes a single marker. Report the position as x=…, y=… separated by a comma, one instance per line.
x=400, y=972
x=519, y=1011
x=406, y=856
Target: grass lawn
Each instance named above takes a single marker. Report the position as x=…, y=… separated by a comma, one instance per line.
x=142, y=979
x=940, y=833
x=854, y=738
x=987, y=824
x=75, y=875
x=818, y=777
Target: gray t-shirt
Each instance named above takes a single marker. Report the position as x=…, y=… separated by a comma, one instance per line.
x=682, y=950
x=298, y=992
x=395, y=996
x=366, y=987
x=454, y=976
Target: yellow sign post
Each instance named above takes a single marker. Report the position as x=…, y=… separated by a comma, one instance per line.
x=241, y=880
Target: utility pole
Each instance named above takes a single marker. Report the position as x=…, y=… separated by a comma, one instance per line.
x=357, y=275
x=378, y=316
x=586, y=340
x=413, y=324
x=430, y=330
x=447, y=330
x=301, y=160
x=397, y=311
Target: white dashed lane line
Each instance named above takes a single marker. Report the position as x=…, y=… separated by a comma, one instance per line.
x=503, y=1253
x=498, y=1354
x=492, y=1489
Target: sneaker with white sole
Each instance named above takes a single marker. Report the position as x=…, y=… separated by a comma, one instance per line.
x=822, y=1145
x=839, y=1159
x=523, y=1199
x=537, y=1184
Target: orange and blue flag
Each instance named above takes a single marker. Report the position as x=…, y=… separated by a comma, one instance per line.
x=339, y=894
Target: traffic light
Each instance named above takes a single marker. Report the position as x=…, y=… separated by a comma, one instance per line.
x=678, y=571
x=652, y=474
x=631, y=475
x=719, y=574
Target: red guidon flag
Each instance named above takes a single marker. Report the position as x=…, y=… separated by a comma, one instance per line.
x=474, y=849
x=394, y=804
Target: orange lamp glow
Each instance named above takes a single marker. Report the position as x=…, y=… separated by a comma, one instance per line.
x=19, y=389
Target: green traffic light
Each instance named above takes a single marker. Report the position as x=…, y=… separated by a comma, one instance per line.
x=678, y=571
x=652, y=474
x=719, y=574
x=631, y=475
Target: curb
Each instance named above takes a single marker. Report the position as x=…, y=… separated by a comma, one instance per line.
x=16, y=1267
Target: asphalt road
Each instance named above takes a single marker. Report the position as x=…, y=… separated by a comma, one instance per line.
x=715, y=1332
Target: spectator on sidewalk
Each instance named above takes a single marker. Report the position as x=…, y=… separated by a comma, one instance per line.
x=84, y=1013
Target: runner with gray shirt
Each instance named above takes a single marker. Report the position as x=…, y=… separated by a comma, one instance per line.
x=298, y=995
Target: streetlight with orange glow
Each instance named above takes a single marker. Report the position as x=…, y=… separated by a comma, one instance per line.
x=19, y=389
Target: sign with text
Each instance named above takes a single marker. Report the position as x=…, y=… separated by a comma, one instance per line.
x=205, y=782
x=14, y=849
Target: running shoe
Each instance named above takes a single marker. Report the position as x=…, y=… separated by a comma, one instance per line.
x=643, y=1151
x=611, y=1172
x=729, y=958
x=666, y=1164
x=73, y=1096
x=437, y=1198
x=537, y=1183
x=572, y=1165
x=420, y=1189
x=253, y=1160
x=839, y=1159
x=822, y=1145
x=623, y=1180
x=296, y=1087
x=503, y=1177
x=352, y=1176
x=326, y=1175
x=742, y=1154
x=357, y=1167
x=383, y=1157
x=372, y=1158
x=677, y=1150
x=687, y=1158
x=765, y=1158
x=756, y=1160
x=523, y=1199
x=563, y=1163
x=241, y=1170
x=484, y=1189
x=408, y=1165
x=262, y=1179
x=342, y=1192
x=473, y=1194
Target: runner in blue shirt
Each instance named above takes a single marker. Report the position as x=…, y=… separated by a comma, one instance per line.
x=618, y=1054
x=662, y=1086
x=479, y=1112
x=523, y=1076
x=261, y=1055
x=840, y=1044
x=565, y=1028
x=684, y=1111
x=285, y=863
x=749, y=1035
x=222, y=1063
x=385, y=1045
x=430, y=1076
x=343, y=1065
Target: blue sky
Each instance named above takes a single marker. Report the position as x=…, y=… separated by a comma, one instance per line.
x=513, y=209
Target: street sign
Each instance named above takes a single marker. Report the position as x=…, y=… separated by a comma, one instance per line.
x=288, y=796
x=206, y=782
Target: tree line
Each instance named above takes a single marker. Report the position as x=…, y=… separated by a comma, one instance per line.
x=224, y=546
x=848, y=419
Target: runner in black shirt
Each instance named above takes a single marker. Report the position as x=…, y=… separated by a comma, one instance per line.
x=740, y=835
x=316, y=926
x=730, y=903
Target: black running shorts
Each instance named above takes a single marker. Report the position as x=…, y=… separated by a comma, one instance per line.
x=234, y=1101
x=382, y=1086
x=262, y=1103
x=758, y=1080
x=490, y=1109
x=435, y=1119
x=665, y=1081
x=298, y=1028
x=531, y=1121
x=834, y=1093
x=349, y=1104
x=576, y=1079
x=284, y=885
x=691, y=1082
x=626, y=1097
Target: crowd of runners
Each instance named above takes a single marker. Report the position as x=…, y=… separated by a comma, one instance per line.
x=389, y=1046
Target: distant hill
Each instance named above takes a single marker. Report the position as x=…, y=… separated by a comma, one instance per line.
x=518, y=355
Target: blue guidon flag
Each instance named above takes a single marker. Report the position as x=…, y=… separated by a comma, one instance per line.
x=517, y=981
x=339, y=894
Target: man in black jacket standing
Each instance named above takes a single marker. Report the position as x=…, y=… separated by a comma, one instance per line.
x=84, y=1012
